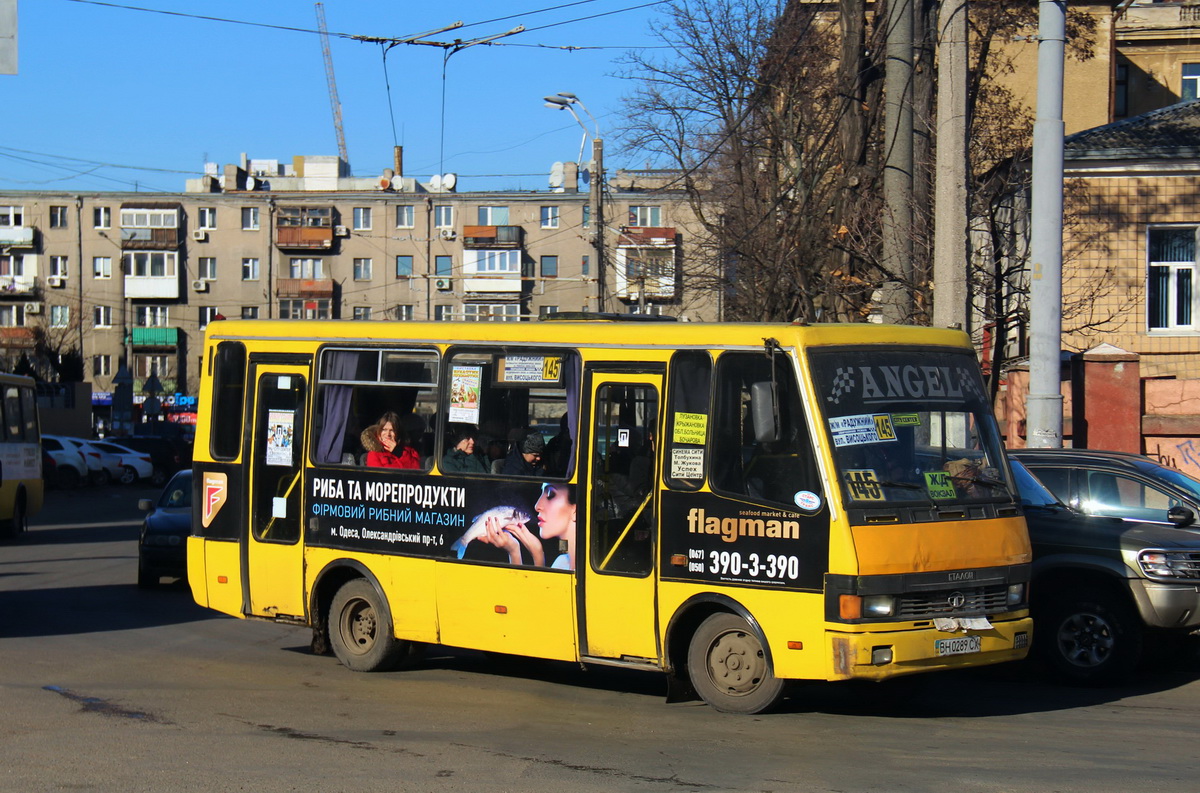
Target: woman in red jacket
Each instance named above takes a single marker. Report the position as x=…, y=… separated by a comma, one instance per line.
x=385, y=446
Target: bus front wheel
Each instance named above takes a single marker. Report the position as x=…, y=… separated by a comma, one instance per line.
x=729, y=668
x=360, y=630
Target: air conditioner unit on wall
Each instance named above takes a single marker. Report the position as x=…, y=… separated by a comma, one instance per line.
x=200, y=285
x=447, y=234
x=341, y=231
x=33, y=308
x=200, y=236
x=443, y=284
x=56, y=281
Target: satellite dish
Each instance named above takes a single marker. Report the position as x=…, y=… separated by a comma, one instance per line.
x=449, y=180
x=388, y=173
x=556, y=175
x=397, y=182
x=585, y=176
x=435, y=181
x=384, y=182
x=251, y=183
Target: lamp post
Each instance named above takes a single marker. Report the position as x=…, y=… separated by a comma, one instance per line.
x=566, y=101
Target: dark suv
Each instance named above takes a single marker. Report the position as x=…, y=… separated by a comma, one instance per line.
x=1103, y=585
x=167, y=455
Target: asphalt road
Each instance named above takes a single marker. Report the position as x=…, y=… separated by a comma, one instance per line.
x=107, y=687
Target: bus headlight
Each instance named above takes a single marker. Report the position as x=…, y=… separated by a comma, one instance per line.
x=1016, y=594
x=877, y=606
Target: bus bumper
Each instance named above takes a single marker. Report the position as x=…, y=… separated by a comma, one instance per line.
x=880, y=655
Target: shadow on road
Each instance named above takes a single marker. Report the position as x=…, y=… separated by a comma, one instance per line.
x=96, y=609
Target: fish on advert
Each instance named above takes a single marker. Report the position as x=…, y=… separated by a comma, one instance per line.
x=506, y=516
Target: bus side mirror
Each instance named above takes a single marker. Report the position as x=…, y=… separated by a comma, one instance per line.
x=764, y=411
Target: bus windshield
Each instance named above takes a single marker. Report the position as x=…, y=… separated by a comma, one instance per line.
x=909, y=425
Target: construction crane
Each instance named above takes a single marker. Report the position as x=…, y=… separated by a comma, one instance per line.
x=334, y=103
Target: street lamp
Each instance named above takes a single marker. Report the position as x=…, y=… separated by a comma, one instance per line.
x=566, y=101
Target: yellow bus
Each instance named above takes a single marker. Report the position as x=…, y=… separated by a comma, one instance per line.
x=20, y=454
x=736, y=505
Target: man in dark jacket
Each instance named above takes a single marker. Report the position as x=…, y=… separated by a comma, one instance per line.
x=526, y=457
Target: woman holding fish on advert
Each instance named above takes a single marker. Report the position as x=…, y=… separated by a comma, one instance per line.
x=460, y=457
x=507, y=528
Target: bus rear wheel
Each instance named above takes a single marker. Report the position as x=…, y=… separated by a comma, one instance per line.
x=729, y=668
x=360, y=630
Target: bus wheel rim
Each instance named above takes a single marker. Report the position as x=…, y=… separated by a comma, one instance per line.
x=358, y=626
x=736, y=663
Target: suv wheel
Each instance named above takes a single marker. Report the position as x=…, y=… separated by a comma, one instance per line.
x=1089, y=636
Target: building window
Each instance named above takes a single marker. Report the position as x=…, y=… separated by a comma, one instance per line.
x=207, y=315
x=60, y=316
x=492, y=312
x=12, y=217
x=362, y=312
x=442, y=313
x=146, y=365
x=645, y=216
x=404, y=313
x=587, y=217
x=1170, y=287
x=206, y=268
x=443, y=216
x=307, y=268
x=58, y=266
x=102, y=217
x=585, y=264
x=151, y=264
x=1191, y=82
x=362, y=269
x=102, y=317
x=12, y=264
x=249, y=312
x=304, y=309
x=362, y=218
x=546, y=311
x=549, y=266
x=404, y=266
x=249, y=269
x=207, y=218
x=12, y=316
x=250, y=218
x=1121, y=91
x=493, y=216
x=150, y=316
x=149, y=219
x=102, y=267
x=491, y=262
x=405, y=216
x=443, y=265
x=549, y=217
x=58, y=217
x=101, y=365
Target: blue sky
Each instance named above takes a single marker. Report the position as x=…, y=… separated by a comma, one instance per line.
x=104, y=84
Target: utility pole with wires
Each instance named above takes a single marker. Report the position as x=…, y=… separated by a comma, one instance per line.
x=334, y=103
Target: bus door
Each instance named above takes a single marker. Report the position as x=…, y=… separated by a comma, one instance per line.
x=621, y=516
x=272, y=554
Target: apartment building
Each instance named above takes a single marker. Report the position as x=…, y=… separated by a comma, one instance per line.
x=137, y=277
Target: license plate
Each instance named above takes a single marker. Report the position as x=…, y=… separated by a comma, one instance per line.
x=958, y=646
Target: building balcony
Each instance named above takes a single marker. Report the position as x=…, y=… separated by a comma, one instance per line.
x=304, y=287
x=491, y=285
x=16, y=338
x=155, y=337
x=493, y=236
x=152, y=286
x=304, y=237
x=139, y=239
x=20, y=287
x=646, y=237
x=16, y=236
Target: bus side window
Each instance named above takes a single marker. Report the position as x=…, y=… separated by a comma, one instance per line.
x=688, y=421
x=228, y=395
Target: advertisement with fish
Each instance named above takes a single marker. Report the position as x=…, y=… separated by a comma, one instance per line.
x=444, y=517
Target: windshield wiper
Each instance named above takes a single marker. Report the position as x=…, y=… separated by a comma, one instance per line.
x=987, y=481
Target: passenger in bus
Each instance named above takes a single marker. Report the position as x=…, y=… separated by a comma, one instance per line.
x=555, y=510
x=557, y=456
x=526, y=457
x=460, y=456
x=386, y=442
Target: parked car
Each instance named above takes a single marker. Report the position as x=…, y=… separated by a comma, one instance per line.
x=131, y=466
x=96, y=472
x=49, y=469
x=1103, y=587
x=71, y=466
x=162, y=547
x=1116, y=484
x=167, y=455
